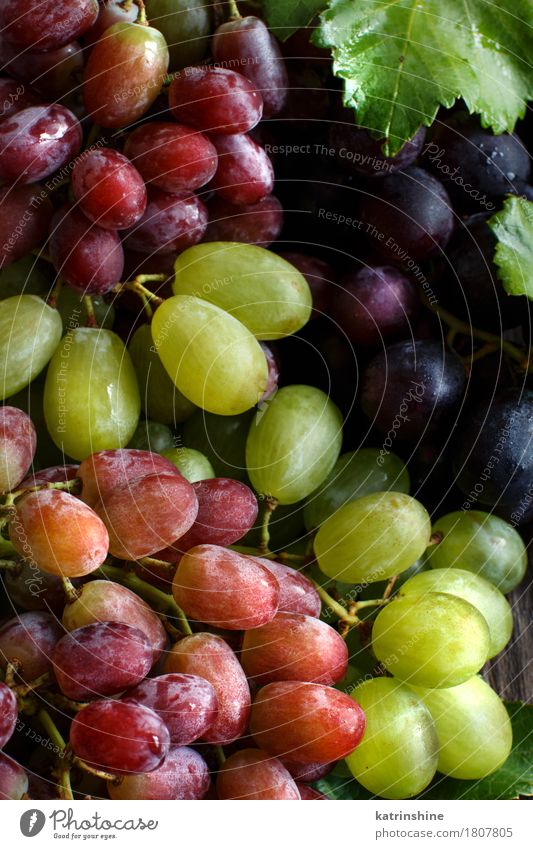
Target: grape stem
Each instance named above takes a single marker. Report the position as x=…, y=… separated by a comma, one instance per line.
x=220, y=756
x=89, y=307
x=25, y=689
x=65, y=486
x=390, y=586
x=65, y=789
x=54, y=294
x=347, y=616
x=234, y=14
x=435, y=539
x=146, y=295
x=71, y=593
x=107, y=776
x=9, y=565
x=141, y=17
x=270, y=506
x=61, y=701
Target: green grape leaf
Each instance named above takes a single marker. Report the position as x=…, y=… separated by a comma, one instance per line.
x=402, y=59
x=513, y=228
x=284, y=17
x=513, y=779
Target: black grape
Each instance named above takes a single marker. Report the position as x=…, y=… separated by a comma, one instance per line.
x=358, y=153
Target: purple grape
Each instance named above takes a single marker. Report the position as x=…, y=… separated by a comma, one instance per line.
x=358, y=153
x=28, y=640
x=8, y=713
x=182, y=775
x=13, y=779
x=48, y=24
x=25, y=213
x=37, y=141
x=244, y=174
x=215, y=100
x=171, y=223
x=254, y=223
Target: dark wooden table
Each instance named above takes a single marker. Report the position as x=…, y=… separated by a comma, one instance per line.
x=511, y=672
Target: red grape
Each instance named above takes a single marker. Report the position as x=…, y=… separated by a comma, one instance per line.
x=36, y=141
x=8, y=713
x=187, y=704
x=254, y=223
x=59, y=533
x=309, y=793
x=182, y=775
x=252, y=774
x=13, y=779
x=13, y=97
x=273, y=372
x=225, y=589
x=296, y=592
x=215, y=100
x=53, y=474
x=18, y=441
x=47, y=24
x=25, y=212
x=111, y=12
x=119, y=737
x=109, y=190
x=320, y=277
x=307, y=773
x=211, y=658
x=53, y=74
x=244, y=174
x=30, y=589
x=28, y=641
x=102, y=472
x=171, y=223
x=309, y=723
x=227, y=509
x=172, y=157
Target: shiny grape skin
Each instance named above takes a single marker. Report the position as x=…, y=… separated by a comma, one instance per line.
x=245, y=174
x=13, y=779
x=320, y=277
x=215, y=100
x=171, y=156
x=306, y=773
x=293, y=647
x=18, y=441
x=225, y=589
x=187, y=704
x=227, y=509
x=210, y=657
x=253, y=224
x=8, y=713
x=89, y=258
x=28, y=641
x=424, y=376
x=30, y=205
x=297, y=593
x=37, y=141
x=192, y=464
x=147, y=513
x=103, y=471
x=13, y=97
x=358, y=153
x=182, y=775
x=48, y=25
x=38, y=532
x=376, y=304
x=101, y=659
x=119, y=737
x=170, y=224
x=109, y=189
x=186, y=25
x=308, y=723
x=248, y=43
x=54, y=74
x=253, y=775
x=409, y=218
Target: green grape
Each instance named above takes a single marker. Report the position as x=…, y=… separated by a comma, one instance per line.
x=355, y=474
x=481, y=543
x=160, y=400
x=192, y=464
x=258, y=287
x=222, y=439
x=293, y=443
x=398, y=754
x=434, y=640
x=490, y=602
x=375, y=537
x=30, y=332
x=152, y=436
x=473, y=727
x=211, y=357
x=91, y=397
x=27, y=276
x=72, y=309
x=186, y=25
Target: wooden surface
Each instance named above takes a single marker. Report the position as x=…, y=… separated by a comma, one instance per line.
x=511, y=673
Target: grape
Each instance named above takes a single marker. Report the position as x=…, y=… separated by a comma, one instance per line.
x=374, y=537
x=91, y=397
x=104, y=471
x=105, y=601
x=36, y=141
x=306, y=772
x=227, y=509
x=38, y=533
x=72, y=308
x=18, y=441
x=110, y=12
x=320, y=278
x=411, y=217
x=160, y=400
x=147, y=513
x=182, y=775
x=215, y=100
x=413, y=384
x=259, y=288
x=434, y=640
x=245, y=174
x=357, y=152
x=13, y=779
x=89, y=258
x=252, y=774
x=27, y=641
x=54, y=74
x=297, y=594
x=211, y=658
x=247, y=43
x=170, y=224
x=225, y=589
x=8, y=714
x=25, y=214
x=171, y=156
x=483, y=544
x=124, y=74
x=119, y=737
x=109, y=190
x=211, y=357
x=28, y=275
x=482, y=595
x=186, y=25
x=397, y=757
x=151, y=436
x=187, y=704
x=309, y=793
x=13, y=96
x=308, y=723
x=293, y=445
x=101, y=659
x=22, y=354
x=473, y=727
x=222, y=439
x=54, y=474
x=30, y=589
x=293, y=647
x=49, y=25
x=193, y=465
x=354, y=475
x=253, y=224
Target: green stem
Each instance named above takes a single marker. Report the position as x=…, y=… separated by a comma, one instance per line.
x=71, y=593
x=91, y=770
x=89, y=308
x=371, y=602
x=73, y=485
x=141, y=17
x=9, y=565
x=220, y=755
x=25, y=689
x=270, y=506
x=65, y=789
x=54, y=294
x=233, y=9
x=60, y=701
x=335, y=606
